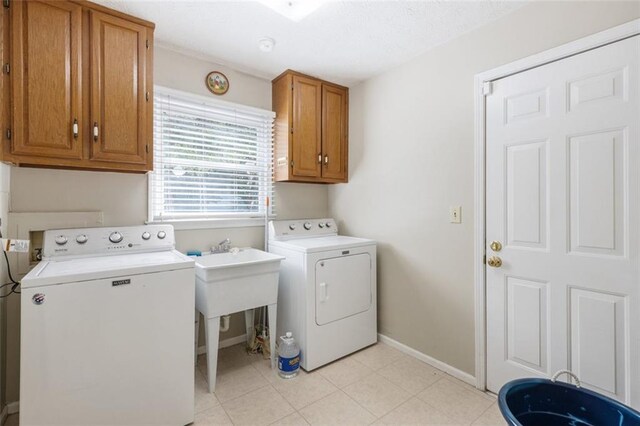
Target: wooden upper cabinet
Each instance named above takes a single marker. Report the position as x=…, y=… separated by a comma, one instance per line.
x=311, y=129
x=81, y=87
x=46, y=79
x=5, y=94
x=118, y=102
x=306, y=127
x=334, y=132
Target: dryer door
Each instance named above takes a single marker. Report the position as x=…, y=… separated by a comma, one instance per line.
x=343, y=287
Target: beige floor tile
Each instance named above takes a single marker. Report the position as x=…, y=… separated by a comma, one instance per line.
x=416, y=412
x=303, y=389
x=237, y=381
x=337, y=409
x=345, y=371
x=377, y=356
x=294, y=419
x=212, y=416
x=489, y=396
x=229, y=358
x=203, y=399
x=264, y=367
x=12, y=420
x=457, y=401
x=410, y=374
x=259, y=407
x=491, y=417
x=234, y=355
x=377, y=394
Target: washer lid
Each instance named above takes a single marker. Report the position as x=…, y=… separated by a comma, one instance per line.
x=312, y=245
x=50, y=272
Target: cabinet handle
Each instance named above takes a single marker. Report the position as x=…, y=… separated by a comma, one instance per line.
x=319, y=158
x=95, y=132
x=75, y=128
x=326, y=160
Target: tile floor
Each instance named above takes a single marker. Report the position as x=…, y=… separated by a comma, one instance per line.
x=378, y=385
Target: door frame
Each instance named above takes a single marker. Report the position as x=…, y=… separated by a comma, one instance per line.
x=482, y=86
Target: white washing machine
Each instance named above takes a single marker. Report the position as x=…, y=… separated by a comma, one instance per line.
x=107, y=330
x=327, y=289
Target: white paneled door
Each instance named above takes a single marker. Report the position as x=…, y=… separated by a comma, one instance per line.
x=563, y=185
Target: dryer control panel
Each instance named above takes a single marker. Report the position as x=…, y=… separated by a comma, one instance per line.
x=301, y=228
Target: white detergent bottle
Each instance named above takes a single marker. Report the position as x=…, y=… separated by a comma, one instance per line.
x=288, y=356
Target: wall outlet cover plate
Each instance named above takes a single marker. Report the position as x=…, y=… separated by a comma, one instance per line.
x=19, y=246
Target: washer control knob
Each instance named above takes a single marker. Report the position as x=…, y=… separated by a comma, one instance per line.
x=146, y=235
x=81, y=239
x=162, y=234
x=61, y=240
x=307, y=225
x=292, y=226
x=115, y=237
x=328, y=224
x=321, y=225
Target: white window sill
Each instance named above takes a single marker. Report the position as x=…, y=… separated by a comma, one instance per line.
x=187, y=224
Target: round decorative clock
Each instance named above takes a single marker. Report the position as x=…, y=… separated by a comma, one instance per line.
x=217, y=83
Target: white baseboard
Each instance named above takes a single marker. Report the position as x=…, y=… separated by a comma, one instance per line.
x=458, y=374
x=13, y=407
x=225, y=343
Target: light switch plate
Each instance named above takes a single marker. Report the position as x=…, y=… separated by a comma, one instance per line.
x=455, y=214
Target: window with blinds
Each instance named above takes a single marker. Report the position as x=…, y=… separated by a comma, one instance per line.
x=212, y=159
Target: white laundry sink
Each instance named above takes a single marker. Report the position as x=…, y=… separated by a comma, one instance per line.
x=233, y=282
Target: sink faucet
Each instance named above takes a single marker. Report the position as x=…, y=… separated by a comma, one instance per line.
x=223, y=246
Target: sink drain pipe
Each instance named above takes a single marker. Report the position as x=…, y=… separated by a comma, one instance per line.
x=224, y=323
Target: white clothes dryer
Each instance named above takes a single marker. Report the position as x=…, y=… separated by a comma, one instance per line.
x=327, y=289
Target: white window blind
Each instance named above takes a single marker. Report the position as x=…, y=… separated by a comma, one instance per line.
x=212, y=159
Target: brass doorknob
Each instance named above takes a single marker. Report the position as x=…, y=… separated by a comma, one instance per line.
x=494, y=262
x=496, y=245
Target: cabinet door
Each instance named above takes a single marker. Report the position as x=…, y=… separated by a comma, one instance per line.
x=334, y=132
x=306, y=138
x=118, y=84
x=46, y=90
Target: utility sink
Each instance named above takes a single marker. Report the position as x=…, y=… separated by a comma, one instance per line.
x=236, y=281
x=240, y=280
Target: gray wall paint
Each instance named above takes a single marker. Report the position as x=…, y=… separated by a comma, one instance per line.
x=411, y=157
x=123, y=197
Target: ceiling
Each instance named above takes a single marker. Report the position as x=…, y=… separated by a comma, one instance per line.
x=342, y=41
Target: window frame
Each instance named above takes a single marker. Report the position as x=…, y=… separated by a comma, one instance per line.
x=221, y=220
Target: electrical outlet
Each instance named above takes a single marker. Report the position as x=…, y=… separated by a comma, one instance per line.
x=455, y=214
x=20, y=246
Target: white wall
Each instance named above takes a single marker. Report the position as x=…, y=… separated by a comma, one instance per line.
x=123, y=197
x=411, y=157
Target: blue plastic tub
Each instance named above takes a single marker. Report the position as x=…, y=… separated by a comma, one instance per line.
x=541, y=402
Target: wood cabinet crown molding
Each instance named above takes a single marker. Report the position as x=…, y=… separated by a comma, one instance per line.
x=67, y=100
x=103, y=9
x=311, y=129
